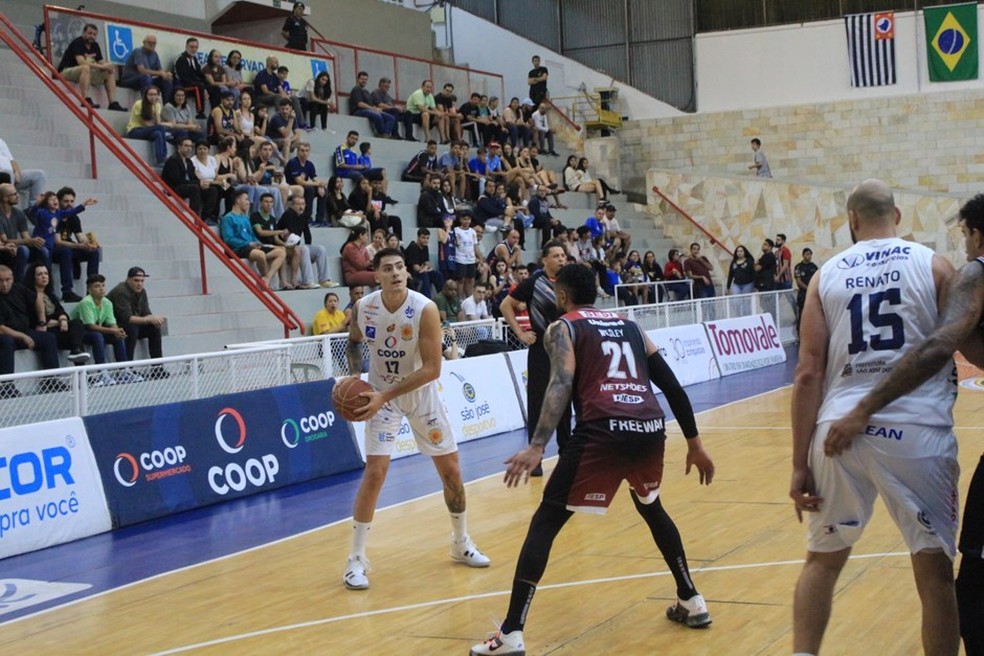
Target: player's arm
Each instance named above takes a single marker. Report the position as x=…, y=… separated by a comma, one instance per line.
x=353, y=347
x=807, y=396
x=508, y=308
x=663, y=377
x=557, y=398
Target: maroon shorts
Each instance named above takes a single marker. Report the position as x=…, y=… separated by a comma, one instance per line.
x=596, y=461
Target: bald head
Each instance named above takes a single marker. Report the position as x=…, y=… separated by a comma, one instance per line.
x=7, y=188
x=873, y=202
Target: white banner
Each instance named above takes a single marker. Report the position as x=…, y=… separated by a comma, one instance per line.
x=745, y=343
x=479, y=396
x=518, y=362
x=50, y=488
x=688, y=352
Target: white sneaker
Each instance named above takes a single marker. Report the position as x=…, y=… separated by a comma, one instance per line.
x=126, y=376
x=355, y=573
x=102, y=380
x=692, y=612
x=501, y=644
x=465, y=551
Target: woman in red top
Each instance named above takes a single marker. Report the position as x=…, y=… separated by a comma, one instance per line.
x=356, y=263
x=674, y=271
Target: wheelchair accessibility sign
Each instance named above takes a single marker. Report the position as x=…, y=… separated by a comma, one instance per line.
x=119, y=43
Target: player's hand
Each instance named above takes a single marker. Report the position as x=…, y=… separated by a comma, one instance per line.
x=803, y=492
x=520, y=465
x=705, y=467
x=527, y=337
x=368, y=410
x=843, y=431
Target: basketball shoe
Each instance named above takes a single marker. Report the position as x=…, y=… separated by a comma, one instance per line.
x=692, y=612
x=501, y=644
x=465, y=551
x=355, y=573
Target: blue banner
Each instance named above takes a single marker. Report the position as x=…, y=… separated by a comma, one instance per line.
x=161, y=460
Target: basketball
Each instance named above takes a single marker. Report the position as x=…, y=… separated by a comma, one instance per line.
x=346, y=397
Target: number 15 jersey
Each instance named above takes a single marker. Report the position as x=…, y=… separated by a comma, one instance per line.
x=880, y=301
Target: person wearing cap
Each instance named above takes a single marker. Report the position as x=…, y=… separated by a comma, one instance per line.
x=294, y=30
x=131, y=307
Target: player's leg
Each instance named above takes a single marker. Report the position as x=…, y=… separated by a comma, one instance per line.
x=463, y=549
x=814, y=597
x=970, y=581
x=933, y=571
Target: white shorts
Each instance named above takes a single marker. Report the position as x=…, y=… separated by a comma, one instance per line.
x=913, y=468
x=428, y=419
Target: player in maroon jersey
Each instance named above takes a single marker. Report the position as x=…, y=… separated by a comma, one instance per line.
x=605, y=363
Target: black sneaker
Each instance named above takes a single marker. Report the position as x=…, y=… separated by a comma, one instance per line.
x=116, y=107
x=78, y=357
x=91, y=104
x=8, y=391
x=391, y=201
x=158, y=373
x=71, y=297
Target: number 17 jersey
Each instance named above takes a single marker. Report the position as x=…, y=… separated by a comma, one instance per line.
x=879, y=299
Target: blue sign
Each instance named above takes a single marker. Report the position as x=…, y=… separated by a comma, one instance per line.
x=165, y=459
x=119, y=43
x=319, y=66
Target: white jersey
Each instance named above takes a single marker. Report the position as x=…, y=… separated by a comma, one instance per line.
x=392, y=337
x=879, y=299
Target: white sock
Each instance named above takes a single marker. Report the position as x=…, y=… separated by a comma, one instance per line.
x=459, y=525
x=360, y=535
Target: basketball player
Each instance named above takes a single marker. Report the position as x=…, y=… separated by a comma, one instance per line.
x=607, y=363
x=537, y=292
x=403, y=330
x=963, y=314
x=866, y=309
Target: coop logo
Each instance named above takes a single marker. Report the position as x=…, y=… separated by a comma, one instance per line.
x=851, y=261
x=161, y=463
x=466, y=388
x=220, y=433
x=390, y=342
x=310, y=428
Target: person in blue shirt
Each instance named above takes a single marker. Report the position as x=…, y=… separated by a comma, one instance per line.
x=47, y=218
x=236, y=231
x=347, y=159
x=143, y=68
x=300, y=171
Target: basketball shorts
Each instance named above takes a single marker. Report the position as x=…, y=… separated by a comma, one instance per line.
x=428, y=419
x=913, y=468
x=595, y=461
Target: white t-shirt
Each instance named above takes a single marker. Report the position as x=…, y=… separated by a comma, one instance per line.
x=879, y=298
x=5, y=159
x=473, y=310
x=464, y=245
x=391, y=336
x=205, y=171
x=540, y=122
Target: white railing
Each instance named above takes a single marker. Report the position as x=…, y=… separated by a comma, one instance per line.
x=78, y=391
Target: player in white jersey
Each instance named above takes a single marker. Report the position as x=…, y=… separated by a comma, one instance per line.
x=403, y=331
x=865, y=309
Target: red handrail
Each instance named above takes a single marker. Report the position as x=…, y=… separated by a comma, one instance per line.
x=563, y=115
x=99, y=129
x=714, y=240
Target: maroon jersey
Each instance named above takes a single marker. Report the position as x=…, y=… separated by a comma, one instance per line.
x=611, y=378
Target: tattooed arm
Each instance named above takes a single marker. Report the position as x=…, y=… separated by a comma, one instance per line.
x=957, y=329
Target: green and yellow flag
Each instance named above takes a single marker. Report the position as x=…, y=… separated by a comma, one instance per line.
x=951, y=42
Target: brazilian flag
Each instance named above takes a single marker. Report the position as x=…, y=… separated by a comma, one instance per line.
x=951, y=42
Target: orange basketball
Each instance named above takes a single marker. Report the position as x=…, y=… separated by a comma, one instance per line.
x=346, y=397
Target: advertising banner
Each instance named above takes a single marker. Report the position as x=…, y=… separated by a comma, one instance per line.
x=160, y=460
x=50, y=490
x=745, y=343
x=688, y=352
x=517, y=365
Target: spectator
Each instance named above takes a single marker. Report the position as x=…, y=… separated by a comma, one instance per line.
x=574, y=180
x=466, y=250
x=519, y=178
x=68, y=332
x=446, y=103
x=143, y=68
x=215, y=74
x=95, y=311
x=13, y=226
x=251, y=128
x=83, y=63
x=131, y=308
x=803, y=274
x=245, y=177
x=621, y=239
x=280, y=128
x=379, y=217
x=360, y=104
x=422, y=163
x=320, y=100
x=673, y=273
x=741, y=273
x=360, y=198
x=356, y=264
x=493, y=207
x=632, y=273
x=382, y=101
x=188, y=71
x=507, y=250
x=20, y=325
x=427, y=281
x=784, y=263
x=698, y=268
x=265, y=169
x=213, y=184
x=378, y=242
x=338, y=205
x=530, y=157
x=83, y=245
x=765, y=268
x=479, y=168
x=329, y=319
x=296, y=101
x=393, y=242
x=424, y=112
x=760, y=163
x=516, y=125
x=654, y=274
x=33, y=181
x=370, y=172
x=475, y=306
x=300, y=171
x=448, y=303
x=451, y=166
x=237, y=232
x=430, y=206
x=179, y=174
x=294, y=30
x=355, y=293
x=539, y=208
x=542, y=133
x=145, y=123
x=473, y=120
x=311, y=256
x=49, y=220
x=177, y=118
x=496, y=129
x=447, y=201
x=234, y=69
x=347, y=159
x=265, y=228
x=267, y=83
x=585, y=177
x=537, y=79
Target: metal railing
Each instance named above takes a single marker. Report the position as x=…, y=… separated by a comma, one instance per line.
x=100, y=130
x=714, y=240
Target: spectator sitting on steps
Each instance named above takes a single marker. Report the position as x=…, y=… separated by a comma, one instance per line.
x=20, y=328
x=83, y=63
x=67, y=332
x=131, y=307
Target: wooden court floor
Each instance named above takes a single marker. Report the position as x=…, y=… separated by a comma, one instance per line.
x=605, y=589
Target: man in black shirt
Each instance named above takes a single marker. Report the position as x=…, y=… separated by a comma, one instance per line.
x=802, y=274
x=295, y=28
x=418, y=261
x=430, y=205
x=537, y=79
x=189, y=72
x=19, y=323
x=765, y=268
x=360, y=104
x=83, y=63
x=179, y=174
x=422, y=163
